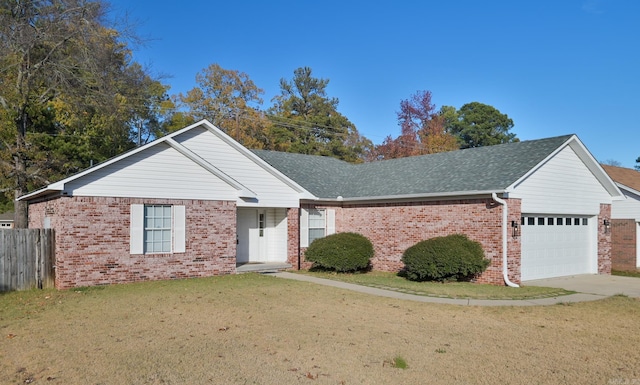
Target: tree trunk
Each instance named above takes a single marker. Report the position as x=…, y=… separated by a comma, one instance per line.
x=21, y=214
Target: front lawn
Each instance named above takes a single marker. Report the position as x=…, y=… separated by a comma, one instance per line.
x=256, y=329
x=391, y=281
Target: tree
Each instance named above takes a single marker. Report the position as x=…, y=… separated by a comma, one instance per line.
x=612, y=162
x=67, y=92
x=230, y=100
x=637, y=166
x=305, y=120
x=477, y=124
x=422, y=131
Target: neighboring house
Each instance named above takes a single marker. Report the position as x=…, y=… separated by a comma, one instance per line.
x=197, y=203
x=625, y=219
x=6, y=220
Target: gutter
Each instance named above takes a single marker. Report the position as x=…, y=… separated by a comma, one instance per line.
x=505, y=212
x=408, y=197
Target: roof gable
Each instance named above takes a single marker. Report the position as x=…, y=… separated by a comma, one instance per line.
x=88, y=181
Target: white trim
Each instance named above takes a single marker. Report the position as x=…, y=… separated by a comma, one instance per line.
x=304, y=228
x=589, y=161
x=330, y=222
x=136, y=229
x=243, y=191
x=179, y=229
x=257, y=160
x=628, y=189
x=638, y=245
x=414, y=197
x=60, y=185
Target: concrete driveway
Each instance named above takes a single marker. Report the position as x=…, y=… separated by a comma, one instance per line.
x=605, y=285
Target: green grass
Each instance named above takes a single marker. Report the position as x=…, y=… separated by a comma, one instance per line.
x=635, y=274
x=391, y=281
x=400, y=363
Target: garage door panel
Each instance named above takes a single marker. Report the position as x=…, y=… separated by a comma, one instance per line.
x=554, y=246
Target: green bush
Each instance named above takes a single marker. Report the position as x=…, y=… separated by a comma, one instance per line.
x=340, y=252
x=454, y=257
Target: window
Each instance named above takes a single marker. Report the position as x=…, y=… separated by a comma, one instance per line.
x=317, y=224
x=157, y=229
x=261, y=223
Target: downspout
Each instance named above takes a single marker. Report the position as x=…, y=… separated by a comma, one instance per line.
x=505, y=212
x=298, y=236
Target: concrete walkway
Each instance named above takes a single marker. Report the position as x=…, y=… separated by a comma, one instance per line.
x=606, y=285
x=578, y=297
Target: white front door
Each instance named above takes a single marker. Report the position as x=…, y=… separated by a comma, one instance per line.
x=248, y=233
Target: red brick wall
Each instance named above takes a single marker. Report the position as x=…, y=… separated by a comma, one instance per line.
x=92, y=241
x=604, y=241
x=393, y=227
x=623, y=244
x=293, y=240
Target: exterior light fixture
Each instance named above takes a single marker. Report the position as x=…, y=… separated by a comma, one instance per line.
x=515, y=229
x=607, y=225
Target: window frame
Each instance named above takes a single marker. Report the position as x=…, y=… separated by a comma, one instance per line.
x=320, y=224
x=137, y=236
x=152, y=228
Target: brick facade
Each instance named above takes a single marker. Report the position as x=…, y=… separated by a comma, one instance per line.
x=92, y=241
x=623, y=244
x=393, y=227
x=604, y=241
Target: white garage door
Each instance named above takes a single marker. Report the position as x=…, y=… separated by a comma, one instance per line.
x=556, y=246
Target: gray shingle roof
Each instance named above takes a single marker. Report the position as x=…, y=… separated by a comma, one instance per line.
x=491, y=168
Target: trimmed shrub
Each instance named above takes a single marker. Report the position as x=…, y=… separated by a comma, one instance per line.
x=454, y=257
x=340, y=252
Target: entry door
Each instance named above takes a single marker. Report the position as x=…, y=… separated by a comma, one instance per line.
x=251, y=235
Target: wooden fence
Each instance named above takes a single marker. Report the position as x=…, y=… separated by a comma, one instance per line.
x=27, y=259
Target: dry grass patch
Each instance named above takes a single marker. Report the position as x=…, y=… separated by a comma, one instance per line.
x=252, y=329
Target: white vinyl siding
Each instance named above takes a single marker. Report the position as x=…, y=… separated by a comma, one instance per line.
x=563, y=185
x=157, y=172
x=271, y=191
x=629, y=208
x=157, y=229
x=316, y=223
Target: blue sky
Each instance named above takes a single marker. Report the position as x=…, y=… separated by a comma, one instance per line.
x=554, y=66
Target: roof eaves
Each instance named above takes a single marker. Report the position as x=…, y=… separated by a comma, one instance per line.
x=429, y=196
x=627, y=188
